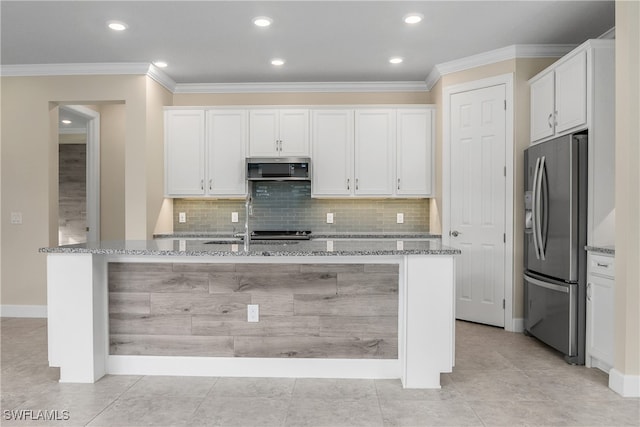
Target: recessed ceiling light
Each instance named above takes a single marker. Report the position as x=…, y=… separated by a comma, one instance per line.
x=160, y=64
x=66, y=122
x=277, y=61
x=117, y=25
x=262, y=21
x=413, y=18
x=396, y=60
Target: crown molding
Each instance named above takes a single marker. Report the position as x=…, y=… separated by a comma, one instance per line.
x=462, y=64
x=301, y=87
x=161, y=77
x=89, y=69
x=497, y=55
x=610, y=34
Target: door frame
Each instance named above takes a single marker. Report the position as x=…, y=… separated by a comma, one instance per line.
x=93, y=168
x=448, y=92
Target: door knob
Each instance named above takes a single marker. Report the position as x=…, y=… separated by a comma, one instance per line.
x=455, y=233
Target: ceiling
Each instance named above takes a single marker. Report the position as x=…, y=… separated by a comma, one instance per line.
x=321, y=41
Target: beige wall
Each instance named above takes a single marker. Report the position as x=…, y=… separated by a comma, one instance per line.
x=29, y=167
x=112, y=186
x=522, y=70
x=157, y=98
x=310, y=98
x=627, y=286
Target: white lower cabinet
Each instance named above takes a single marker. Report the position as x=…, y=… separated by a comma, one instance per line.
x=205, y=153
x=600, y=311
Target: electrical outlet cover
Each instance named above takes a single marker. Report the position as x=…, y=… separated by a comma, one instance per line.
x=400, y=218
x=182, y=217
x=329, y=218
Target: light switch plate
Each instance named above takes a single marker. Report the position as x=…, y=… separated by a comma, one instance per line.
x=16, y=218
x=234, y=216
x=329, y=218
x=400, y=218
x=182, y=217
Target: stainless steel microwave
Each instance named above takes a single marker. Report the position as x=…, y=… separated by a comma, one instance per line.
x=278, y=169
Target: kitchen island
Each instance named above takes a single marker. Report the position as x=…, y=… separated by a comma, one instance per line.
x=325, y=308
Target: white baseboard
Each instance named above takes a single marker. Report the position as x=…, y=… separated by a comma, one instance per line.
x=624, y=385
x=254, y=367
x=517, y=325
x=36, y=311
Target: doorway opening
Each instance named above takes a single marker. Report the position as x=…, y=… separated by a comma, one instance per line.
x=78, y=175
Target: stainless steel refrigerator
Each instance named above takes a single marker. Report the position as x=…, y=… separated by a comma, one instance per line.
x=555, y=236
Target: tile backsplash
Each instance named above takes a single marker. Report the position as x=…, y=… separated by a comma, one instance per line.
x=289, y=206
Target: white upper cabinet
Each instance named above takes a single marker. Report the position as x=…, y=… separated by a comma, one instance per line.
x=184, y=152
x=559, y=98
x=332, y=152
x=279, y=132
x=375, y=139
x=372, y=152
x=414, y=153
x=205, y=153
x=542, y=107
x=226, y=151
x=571, y=93
x=583, y=86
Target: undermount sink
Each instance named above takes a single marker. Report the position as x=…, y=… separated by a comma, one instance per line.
x=253, y=242
x=223, y=242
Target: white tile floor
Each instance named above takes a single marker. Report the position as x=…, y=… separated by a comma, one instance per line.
x=500, y=379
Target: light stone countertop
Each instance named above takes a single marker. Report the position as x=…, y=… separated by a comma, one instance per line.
x=316, y=247
x=606, y=250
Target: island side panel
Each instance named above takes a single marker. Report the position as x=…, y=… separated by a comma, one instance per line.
x=429, y=320
x=77, y=316
x=306, y=310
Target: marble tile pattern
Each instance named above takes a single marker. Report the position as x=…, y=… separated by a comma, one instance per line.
x=500, y=379
x=306, y=310
x=607, y=250
x=223, y=248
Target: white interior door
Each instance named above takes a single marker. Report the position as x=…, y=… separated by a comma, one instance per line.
x=477, y=200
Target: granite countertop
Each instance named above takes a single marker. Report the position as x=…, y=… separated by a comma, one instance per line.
x=316, y=247
x=607, y=250
x=209, y=235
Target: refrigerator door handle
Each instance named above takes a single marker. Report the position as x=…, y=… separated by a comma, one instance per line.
x=547, y=285
x=538, y=211
x=534, y=207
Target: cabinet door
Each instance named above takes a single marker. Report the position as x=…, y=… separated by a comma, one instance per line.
x=571, y=93
x=263, y=133
x=294, y=132
x=414, y=152
x=542, y=112
x=374, y=152
x=226, y=151
x=332, y=148
x=600, y=329
x=184, y=153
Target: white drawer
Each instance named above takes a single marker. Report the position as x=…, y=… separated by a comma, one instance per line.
x=602, y=265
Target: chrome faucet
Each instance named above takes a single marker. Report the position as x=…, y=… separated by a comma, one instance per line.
x=248, y=211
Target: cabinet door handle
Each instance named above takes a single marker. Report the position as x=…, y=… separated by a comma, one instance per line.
x=202, y=184
x=599, y=264
x=555, y=118
x=588, y=291
x=549, y=120
x=210, y=184
x=398, y=183
x=357, y=183
x=348, y=183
